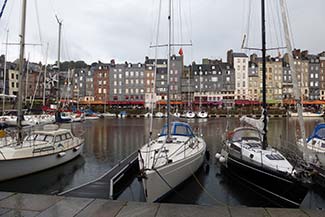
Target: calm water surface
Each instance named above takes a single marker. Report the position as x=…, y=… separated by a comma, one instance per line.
x=109, y=140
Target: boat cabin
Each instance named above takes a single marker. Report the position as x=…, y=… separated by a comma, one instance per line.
x=178, y=129
x=318, y=133
x=50, y=137
x=245, y=133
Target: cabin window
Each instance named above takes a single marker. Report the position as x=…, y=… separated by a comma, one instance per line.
x=274, y=157
x=49, y=138
x=40, y=137
x=63, y=137
x=321, y=133
x=68, y=136
x=235, y=147
x=58, y=139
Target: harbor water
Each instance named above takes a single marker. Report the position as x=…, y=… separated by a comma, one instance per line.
x=109, y=140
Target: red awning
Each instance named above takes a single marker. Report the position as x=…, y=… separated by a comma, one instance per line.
x=246, y=102
x=208, y=102
x=126, y=102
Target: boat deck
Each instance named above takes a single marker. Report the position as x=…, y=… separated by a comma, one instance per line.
x=104, y=186
x=17, y=204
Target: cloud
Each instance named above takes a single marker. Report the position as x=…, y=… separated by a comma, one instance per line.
x=123, y=29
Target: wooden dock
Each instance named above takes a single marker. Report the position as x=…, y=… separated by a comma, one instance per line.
x=30, y=205
x=103, y=187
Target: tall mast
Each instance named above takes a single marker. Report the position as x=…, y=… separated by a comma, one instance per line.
x=21, y=70
x=168, y=69
x=59, y=52
x=264, y=75
x=26, y=86
x=4, y=76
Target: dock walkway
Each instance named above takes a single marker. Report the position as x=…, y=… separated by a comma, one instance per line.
x=102, y=187
x=30, y=205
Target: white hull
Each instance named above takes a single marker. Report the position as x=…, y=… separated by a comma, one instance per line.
x=108, y=115
x=202, y=114
x=121, y=116
x=19, y=167
x=91, y=117
x=159, y=115
x=189, y=115
x=174, y=174
x=307, y=114
x=177, y=115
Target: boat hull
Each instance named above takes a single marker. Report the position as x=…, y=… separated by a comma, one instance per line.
x=283, y=190
x=307, y=114
x=19, y=167
x=155, y=181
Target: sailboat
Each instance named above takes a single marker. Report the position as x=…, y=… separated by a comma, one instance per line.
x=177, y=153
x=41, y=149
x=247, y=155
x=307, y=114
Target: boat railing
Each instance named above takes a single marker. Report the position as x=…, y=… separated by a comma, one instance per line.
x=166, y=156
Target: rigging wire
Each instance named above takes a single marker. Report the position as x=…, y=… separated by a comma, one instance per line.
x=3, y=8
x=173, y=27
x=180, y=21
x=269, y=27
x=155, y=70
x=39, y=26
x=281, y=37
x=6, y=26
x=275, y=29
x=289, y=24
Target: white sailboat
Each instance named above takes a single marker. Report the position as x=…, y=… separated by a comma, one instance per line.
x=247, y=155
x=174, y=156
x=307, y=114
x=41, y=149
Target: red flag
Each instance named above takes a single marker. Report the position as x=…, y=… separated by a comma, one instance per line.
x=180, y=52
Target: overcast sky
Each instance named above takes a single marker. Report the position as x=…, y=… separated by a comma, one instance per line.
x=123, y=29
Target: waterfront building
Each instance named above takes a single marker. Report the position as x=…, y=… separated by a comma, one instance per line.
x=302, y=70
x=13, y=81
x=176, y=70
x=322, y=75
x=101, y=82
x=314, y=72
x=187, y=87
x=32, y=84
x=239, y=61
x=78, y=84
x=2, y=75
x=149, y=83
x=287, y=85
x=254, y=85
x=126, y=82
x=213, y=84
x=276, y=70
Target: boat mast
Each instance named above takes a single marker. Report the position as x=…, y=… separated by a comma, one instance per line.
x=59, y=52
x=21, y=70
x=264, y=145
x=45, y=72
x=4, y=76
x=168, y=70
